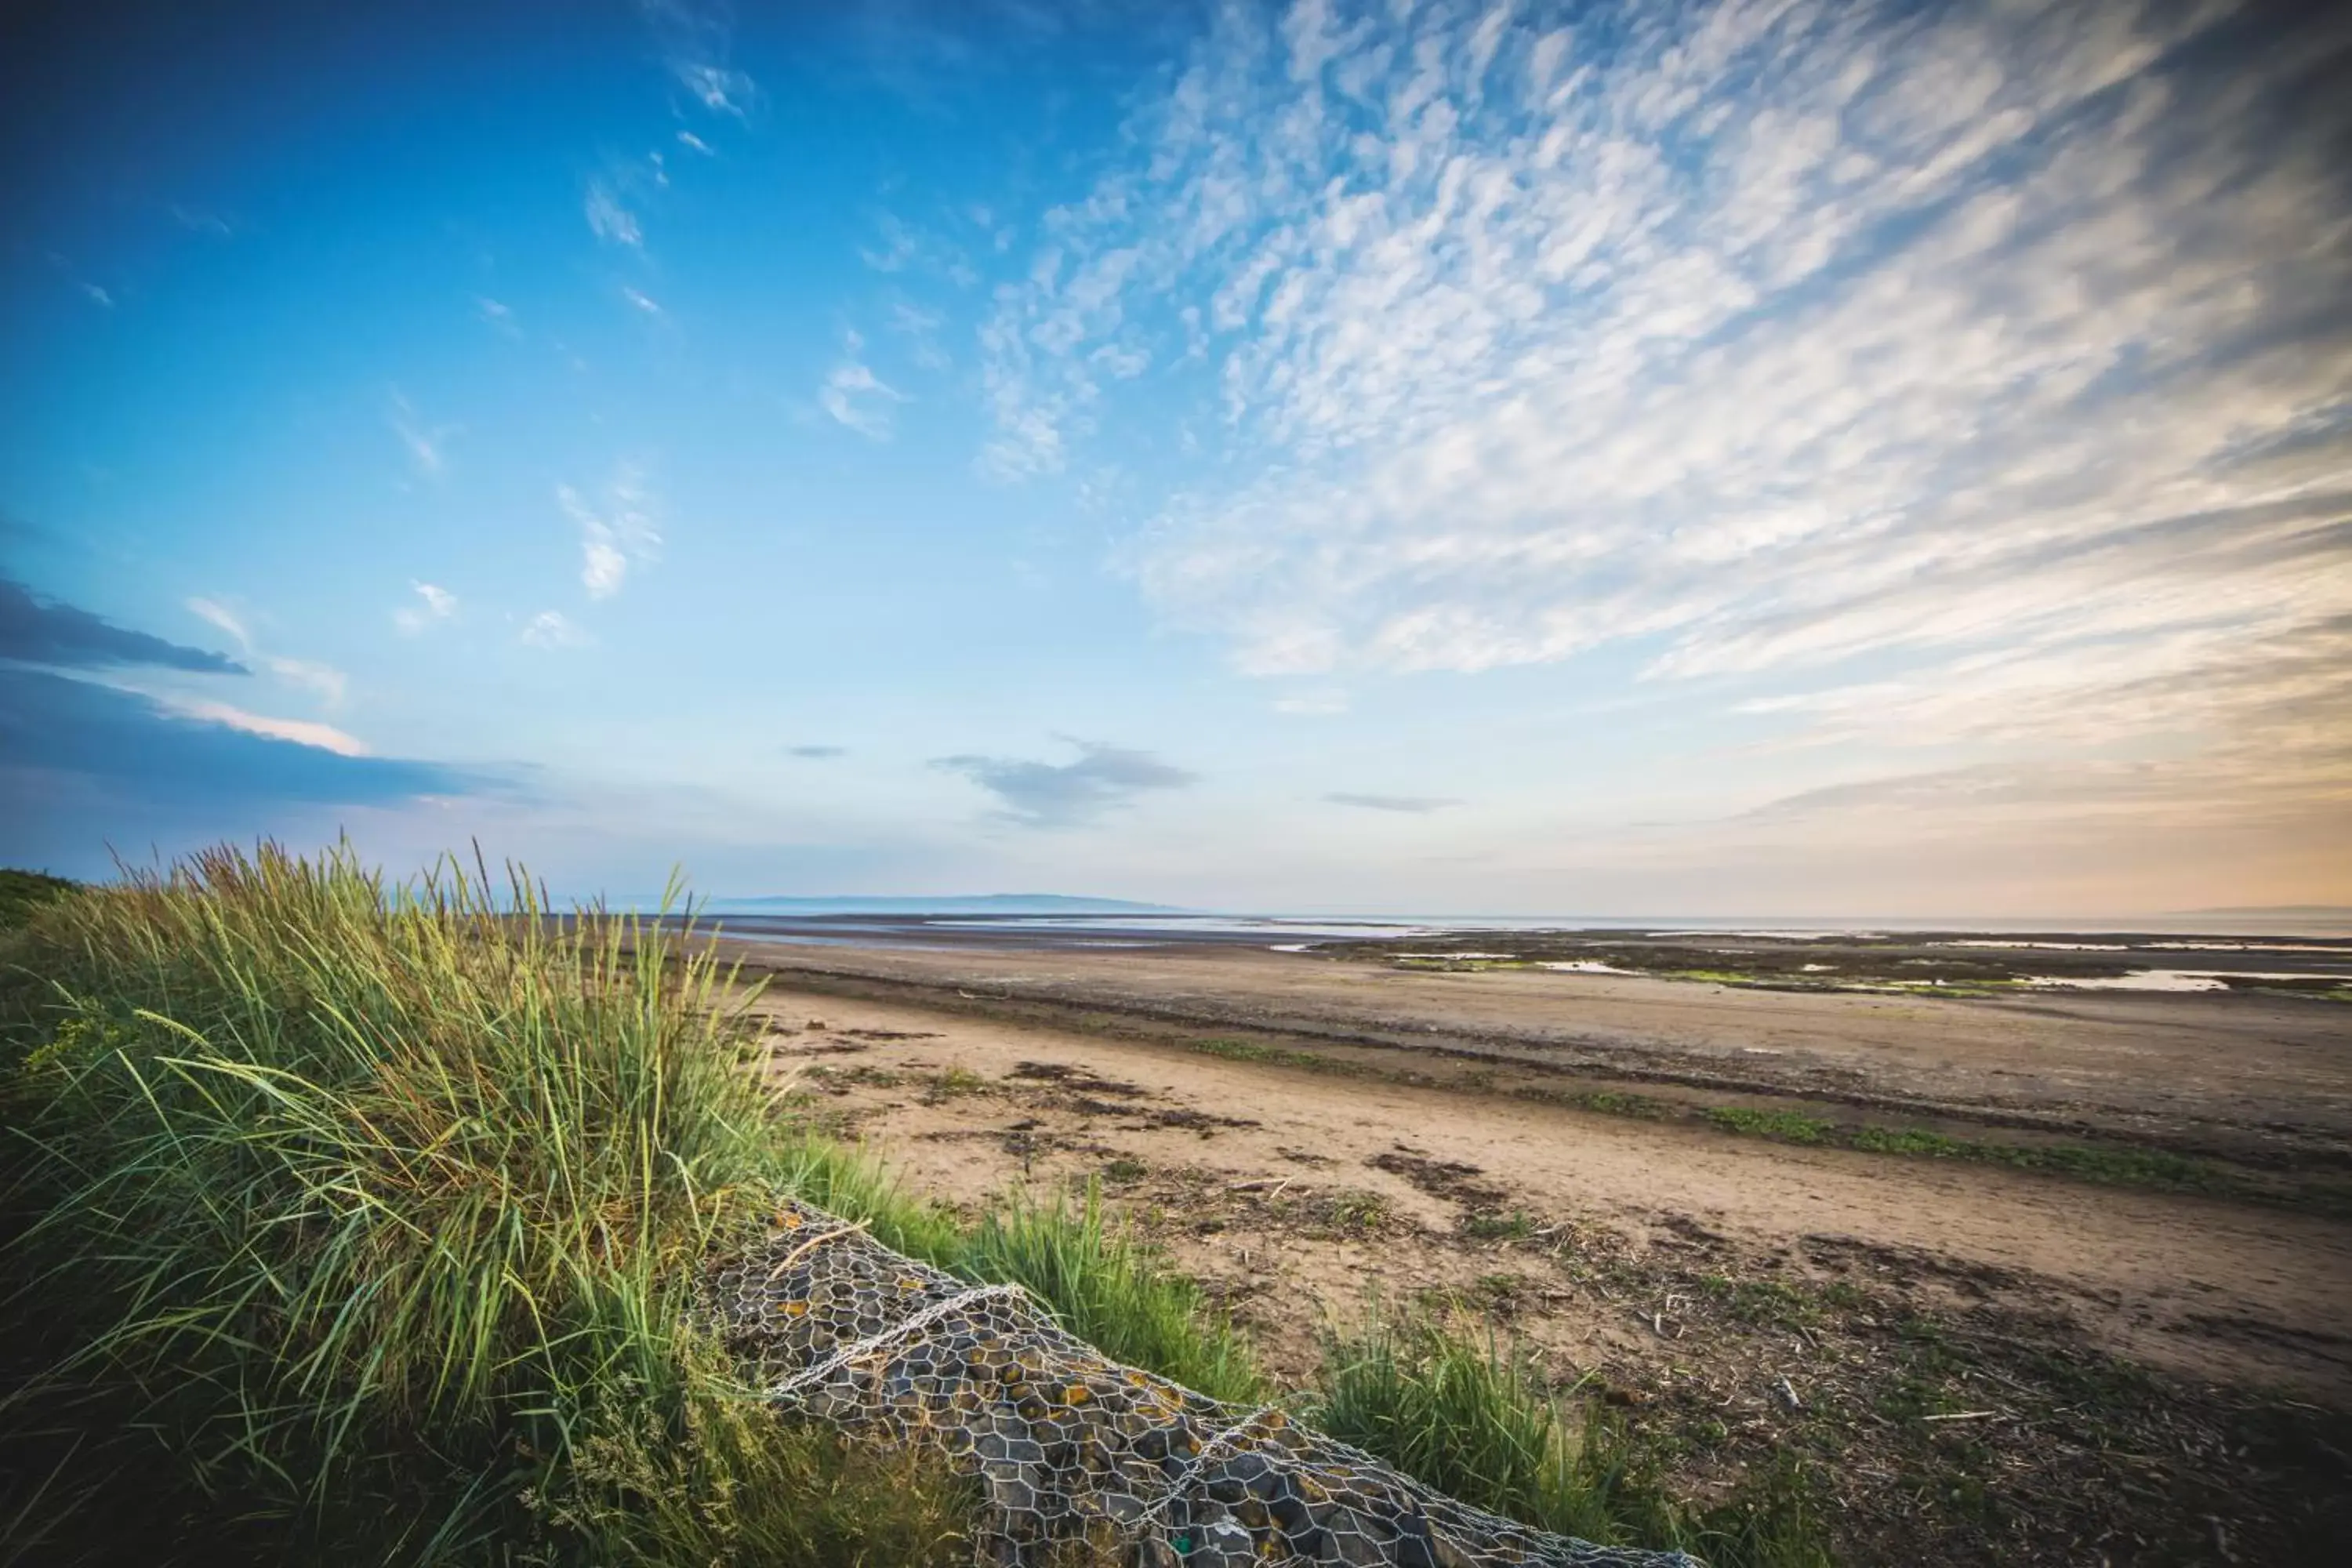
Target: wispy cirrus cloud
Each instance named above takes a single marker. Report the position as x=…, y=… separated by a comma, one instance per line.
x=212, y=613
x=428, y=443
x=551, y=629
x=608, y=220
x=696, y=41
x=197, y=220
x=323, y=681
x=1069, y=795
x=434, y=605
x=619, y=528
x=1903, y=376
x=854, y=395
x=498, y=314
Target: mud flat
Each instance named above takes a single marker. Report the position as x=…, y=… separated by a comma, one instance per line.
x=1980, y=1363
x=2257, y=1077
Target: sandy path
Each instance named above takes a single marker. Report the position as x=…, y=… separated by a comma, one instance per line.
x=2245, y=1075
x=2213, y=1289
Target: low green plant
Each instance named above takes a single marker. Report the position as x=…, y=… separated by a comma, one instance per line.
x=1276, y=1056
x=1474, y=1420
x=1516, y=1225
x=1782, y=1126
x=952, y=1082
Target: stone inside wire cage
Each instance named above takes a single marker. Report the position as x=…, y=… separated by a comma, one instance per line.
x=1071, y=1448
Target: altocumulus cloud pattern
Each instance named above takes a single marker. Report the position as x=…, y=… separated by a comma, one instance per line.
x=1967, y=373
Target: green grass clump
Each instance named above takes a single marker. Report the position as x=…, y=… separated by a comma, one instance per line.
x=371, y=1207
x=1782, y=1126
x=1112, y=1291
x=1239, y=1050
x=1516, y=1225
x=1474, y=1420
x=1103, y=1284
x=1470, y=1420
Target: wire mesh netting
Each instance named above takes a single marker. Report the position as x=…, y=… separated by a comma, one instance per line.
x=1074, y=1450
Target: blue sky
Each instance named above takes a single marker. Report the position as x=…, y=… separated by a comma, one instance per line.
x=1755, y=458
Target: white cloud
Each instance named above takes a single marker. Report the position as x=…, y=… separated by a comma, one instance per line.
x=198, y=221
x=327, y=683
x=88, y=289
x=221, y=616
x=608, y=220
x=436, y=604
x=302, y=732
x=689, y=139
x=1959, y=375
x=898, y=246
x=648, y=306
x=552, y=629
x=620, y=529
x=855, y=396
x=715, y=87
x=498, y=314
x=695, y=41
x=920, y=328
x=425, y=443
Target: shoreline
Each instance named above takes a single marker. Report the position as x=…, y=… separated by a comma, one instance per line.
x=2262, y=1083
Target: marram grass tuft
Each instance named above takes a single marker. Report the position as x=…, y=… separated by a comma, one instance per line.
x=373, y=1208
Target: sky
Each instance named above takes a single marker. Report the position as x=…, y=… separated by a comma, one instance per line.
x=1775, y=457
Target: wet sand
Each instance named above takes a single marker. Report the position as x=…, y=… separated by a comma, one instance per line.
x=2256, y=1077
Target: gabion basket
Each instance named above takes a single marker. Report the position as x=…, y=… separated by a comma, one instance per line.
x=1078, y=1455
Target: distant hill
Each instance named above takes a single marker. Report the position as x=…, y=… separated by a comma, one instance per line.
x=2339, y=911
x=21, y=892
x=961, y=904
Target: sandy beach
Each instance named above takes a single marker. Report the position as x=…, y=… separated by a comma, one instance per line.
x=1316, y=1139
x=2252, y=1077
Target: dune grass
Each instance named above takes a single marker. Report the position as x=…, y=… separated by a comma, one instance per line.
x=352, y=1220
x=1474, y=1420
x=371, y=1206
